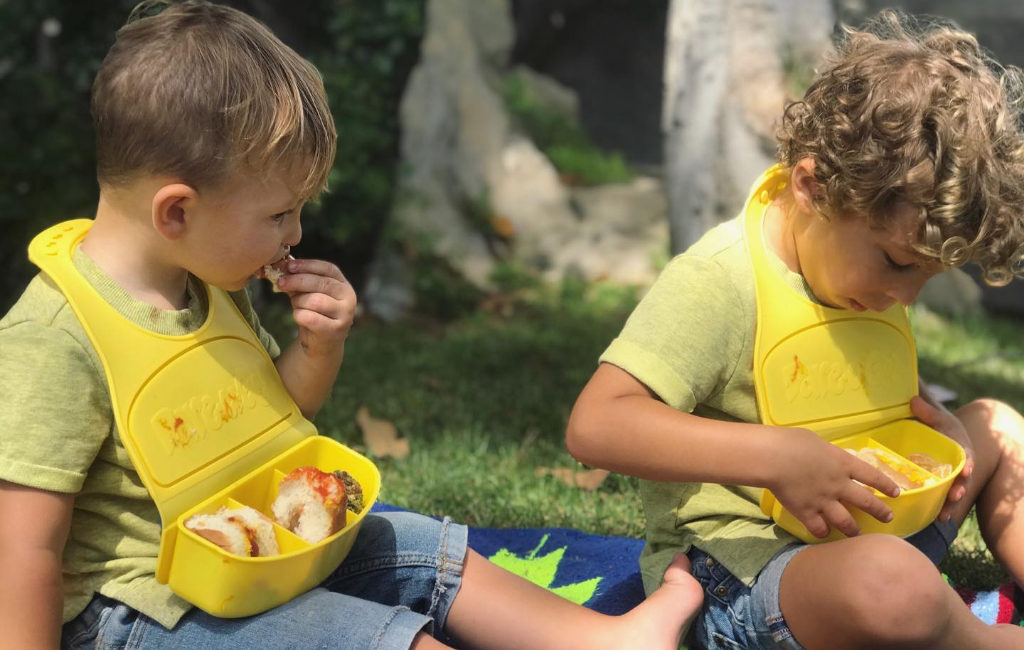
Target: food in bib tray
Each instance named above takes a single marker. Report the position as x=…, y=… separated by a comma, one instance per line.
x=311, y=503
x=243, y=531
x=353, y=491
x=942, y=470
x=276, y=271
x=901, y=472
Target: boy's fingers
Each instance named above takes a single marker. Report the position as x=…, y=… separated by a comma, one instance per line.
x=841, y=519
x=862, y=499
x=331, y=307
x=312, y=283
x=968, y=469
x=311, y=320
x=924, y=411
x=816, y=524
x=872, y=477
x=316, y=267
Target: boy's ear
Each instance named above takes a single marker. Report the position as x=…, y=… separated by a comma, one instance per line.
x=806, y=190
x=172, y=207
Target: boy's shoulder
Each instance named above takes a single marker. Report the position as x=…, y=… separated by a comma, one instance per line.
x=722, y=255
x=42, y=315
x=722, y=243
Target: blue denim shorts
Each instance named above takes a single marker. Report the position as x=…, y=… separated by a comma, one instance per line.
x=399, y=579
x=735, y=616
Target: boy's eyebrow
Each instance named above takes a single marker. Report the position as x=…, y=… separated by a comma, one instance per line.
x=291, y=206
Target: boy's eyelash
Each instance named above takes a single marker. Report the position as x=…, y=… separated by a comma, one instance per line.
x=896, y=266
x=280, y=215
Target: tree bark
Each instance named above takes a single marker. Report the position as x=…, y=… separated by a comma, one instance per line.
x=725, y=87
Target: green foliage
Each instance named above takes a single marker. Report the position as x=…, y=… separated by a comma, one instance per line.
x=440, y=291
x=513, y=275
x=561, y=138
x=373, y=47
x=589, y=165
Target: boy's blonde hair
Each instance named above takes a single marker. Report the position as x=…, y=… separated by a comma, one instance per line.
x=912, y=112
x=204, y=92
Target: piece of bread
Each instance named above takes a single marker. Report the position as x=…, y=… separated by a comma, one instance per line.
x=276, y=271
x=311, y=503
x=243, y=531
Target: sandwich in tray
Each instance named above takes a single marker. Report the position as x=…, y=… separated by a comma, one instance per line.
x=310, y=503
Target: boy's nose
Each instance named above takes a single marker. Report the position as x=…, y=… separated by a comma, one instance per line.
x=906, y=292
x=294, y=234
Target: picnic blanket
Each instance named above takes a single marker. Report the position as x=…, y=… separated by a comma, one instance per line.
x=602, y=572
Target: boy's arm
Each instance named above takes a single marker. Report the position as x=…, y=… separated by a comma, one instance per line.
x=618, y=424
x=34, y=526
x=323, y=305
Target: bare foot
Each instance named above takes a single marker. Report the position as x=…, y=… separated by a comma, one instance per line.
x=661, y=621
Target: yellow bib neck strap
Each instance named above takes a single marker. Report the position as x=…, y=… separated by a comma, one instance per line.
x=833, y=371
x=195, y=412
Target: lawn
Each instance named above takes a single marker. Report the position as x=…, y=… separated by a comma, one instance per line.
x=484, y=398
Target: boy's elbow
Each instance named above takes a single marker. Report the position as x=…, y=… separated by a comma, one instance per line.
x=579, y=436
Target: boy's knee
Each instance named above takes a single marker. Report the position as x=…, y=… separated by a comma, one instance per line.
x=993, y=417
x=896, y=595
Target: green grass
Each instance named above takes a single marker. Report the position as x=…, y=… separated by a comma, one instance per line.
x=484, y=399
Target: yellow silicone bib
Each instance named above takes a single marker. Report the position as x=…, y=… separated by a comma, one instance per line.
x=208, y=423
x=846, y=375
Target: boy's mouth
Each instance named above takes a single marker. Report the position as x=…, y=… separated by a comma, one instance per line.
x=283, y=253
x=856, y=306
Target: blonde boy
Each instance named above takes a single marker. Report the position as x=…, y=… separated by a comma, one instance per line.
x=904, y=157
x=211, y=135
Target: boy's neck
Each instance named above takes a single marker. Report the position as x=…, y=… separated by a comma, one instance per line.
x=129, y=252
x=780, y=234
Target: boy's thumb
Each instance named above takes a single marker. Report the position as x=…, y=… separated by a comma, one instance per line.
x=922, y=410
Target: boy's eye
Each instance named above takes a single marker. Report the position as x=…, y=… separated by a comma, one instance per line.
x=281, y=215
x=896, y=266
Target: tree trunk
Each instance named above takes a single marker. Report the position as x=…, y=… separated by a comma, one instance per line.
x=726, y=71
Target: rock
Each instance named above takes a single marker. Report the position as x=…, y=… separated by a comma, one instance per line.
x=952, y=293
x=477, y=192
x=549, y=92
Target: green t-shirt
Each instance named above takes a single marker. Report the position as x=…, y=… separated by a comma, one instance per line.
x=57, y=433
x=691, y=341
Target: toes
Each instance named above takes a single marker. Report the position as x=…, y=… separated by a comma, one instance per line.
x=679, y=570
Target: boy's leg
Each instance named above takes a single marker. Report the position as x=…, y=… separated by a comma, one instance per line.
x=316, y=619
x=413, y=561
x=498, y=610
x=892, y=590
x=997, y=484
x=878, y=591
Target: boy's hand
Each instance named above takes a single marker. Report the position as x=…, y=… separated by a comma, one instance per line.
x=323, y=305
x=817, y=480
x=940, y=419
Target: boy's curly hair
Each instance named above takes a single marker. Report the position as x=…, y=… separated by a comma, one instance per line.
x=914, y=112
x=203, y=91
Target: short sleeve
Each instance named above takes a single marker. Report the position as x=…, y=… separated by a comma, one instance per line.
x=56, y=412
x=685, y=338
x=244, y=303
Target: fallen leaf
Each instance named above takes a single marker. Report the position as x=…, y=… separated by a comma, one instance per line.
x=381, y=436
x=588, y=480
x=503, y=226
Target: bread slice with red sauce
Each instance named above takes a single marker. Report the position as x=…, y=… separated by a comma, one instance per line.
x=311, y=503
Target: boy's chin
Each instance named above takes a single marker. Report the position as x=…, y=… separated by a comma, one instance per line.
x=232, y=285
